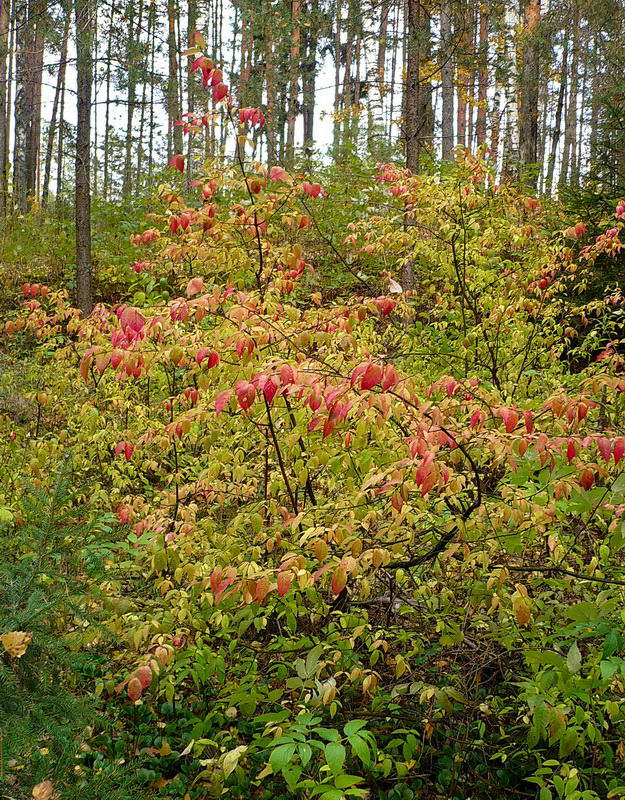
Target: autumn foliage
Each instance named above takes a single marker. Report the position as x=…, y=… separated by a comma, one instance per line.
x=366, y=538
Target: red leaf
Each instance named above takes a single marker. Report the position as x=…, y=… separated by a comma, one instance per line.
x=284, y=581
x=134, y=689
x=372, y=376
x=246, y=394
x=222, y=400
x=201, y=355
x=510, y=418
x=587, y=478
x=215, y=579
x=195, y=286
x=529, y=421
x=144, y=674
x=390, y=378
x=220, y=90
x=270, y=387
x=339, y=581
x=277, y=174
x=177, y=161
x=570, y=450
x=605, y=448
x=131, y=318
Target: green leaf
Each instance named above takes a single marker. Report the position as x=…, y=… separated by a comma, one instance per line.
x=291, y=775
x=345, y=781
x=543, y=658
x=582, y=612
x=281, y=756
x=568, y=742
x=354, y=726
x=361, y=749
x=312, y=659
x=608, y=668
x=332, y=794
x=305, y=753
x=335, y=756
x=574, y=658
x=611, y=644
x=329, y=734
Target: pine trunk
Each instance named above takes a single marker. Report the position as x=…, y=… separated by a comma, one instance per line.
x=4, y=115
x=173, y=103
x=557, y=127
x=412, y=95
x=84, y=83
x=482, y=92
x=447, y=83
x=60, y=81
x=528, y=90
x=294, y=70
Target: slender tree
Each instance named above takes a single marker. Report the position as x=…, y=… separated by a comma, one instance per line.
x=557, y=127
x=294, y=70
x=447, y=82
x=54, y=122
x=482, y=95
x=528, y=90
x=5, y=57
x=85, y=15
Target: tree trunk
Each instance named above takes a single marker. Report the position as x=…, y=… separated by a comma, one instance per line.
x=462, y=74
x=309, y=75
x=375, y=81
x=60, y=81
x=24, y=43
x=106, y=181
x=270, y=79
x=447, y=83
x=173, y=105
x=412, y=94
x=38, y=22
x=471, y=75
x=294, y=69
x=61, y=149
x=528, y=90
x=482, y=91
x=510, y=155
x=82, y=208
x=570, y=127
x=347, y=96
x=4, y=115
x=577, y=164
x=152, y=82
x=147, y=82
x=391, y=103
x=594, y=107
x=246, y=58
x=557, y=127
x=131, y=95
x=336, y=138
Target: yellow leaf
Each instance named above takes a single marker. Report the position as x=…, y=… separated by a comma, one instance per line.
x=165, y=749
x=16, y=643
x=521, y=605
